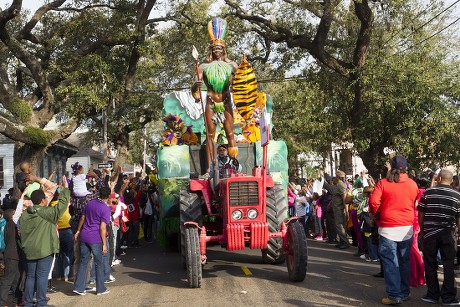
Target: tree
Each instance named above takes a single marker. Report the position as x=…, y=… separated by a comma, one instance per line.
x=53, y=67
x=375, y=63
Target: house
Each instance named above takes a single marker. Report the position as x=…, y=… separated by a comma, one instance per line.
x=85, y=156
x=55, y=159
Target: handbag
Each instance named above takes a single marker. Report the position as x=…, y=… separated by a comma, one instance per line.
x=124, y=226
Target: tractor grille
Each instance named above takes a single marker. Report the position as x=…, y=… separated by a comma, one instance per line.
x=244, y=193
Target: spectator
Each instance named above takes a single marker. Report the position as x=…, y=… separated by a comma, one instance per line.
x=339, y=209
x=393, y=199
x=439, y=212
x=301, y=204
x=326, y=197
x=40, y=242
x=92, y=235
x=7, y=198
x=65, y=256
x=11, y=259
x=417, y=269
x=291, y=198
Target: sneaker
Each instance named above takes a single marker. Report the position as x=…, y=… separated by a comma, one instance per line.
x=124, y=247
x=368, y=259
x=363, y=257
x=430, y=300
x=92, y=282
x=318, y=238
x=122, y=253
x=90, y=289
x=79, y=292
x=51, y=289
x=108, y=281
x=453, y=303
x=375, y=260
x=344, y=246
x=116, y=262
x=105, y=292
x=390, y=301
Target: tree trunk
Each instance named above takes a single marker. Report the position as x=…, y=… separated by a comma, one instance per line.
x=372, y=159
x=122, y=143
x=26, y=153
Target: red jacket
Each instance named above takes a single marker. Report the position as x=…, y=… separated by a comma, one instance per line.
x=395, y=201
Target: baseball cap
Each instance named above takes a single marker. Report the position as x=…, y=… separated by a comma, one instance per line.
x=399, y=162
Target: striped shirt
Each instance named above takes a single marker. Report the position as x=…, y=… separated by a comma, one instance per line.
x=441, y=205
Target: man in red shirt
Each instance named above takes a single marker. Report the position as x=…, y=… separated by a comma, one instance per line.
x=393, y=202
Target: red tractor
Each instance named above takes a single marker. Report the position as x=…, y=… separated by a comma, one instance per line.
x=240, y=211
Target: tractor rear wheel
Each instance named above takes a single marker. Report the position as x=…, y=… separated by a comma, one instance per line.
x=277, y=209
x=193, y=257
x=297, y=257
x=190, y=211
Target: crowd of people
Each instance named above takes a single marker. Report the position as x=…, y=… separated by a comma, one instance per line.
x=383, y=220
x=75, y=230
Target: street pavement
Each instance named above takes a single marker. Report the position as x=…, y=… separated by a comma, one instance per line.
x=149, y=276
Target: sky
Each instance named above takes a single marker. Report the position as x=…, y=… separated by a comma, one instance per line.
x=32, y=5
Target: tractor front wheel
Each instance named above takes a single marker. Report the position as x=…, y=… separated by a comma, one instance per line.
x=193, y=257
x=190, y=211
x=297, y=257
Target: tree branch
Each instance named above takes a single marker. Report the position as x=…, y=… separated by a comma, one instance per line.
x=26, y=31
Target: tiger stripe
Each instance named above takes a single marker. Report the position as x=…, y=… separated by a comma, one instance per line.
x=244, y=87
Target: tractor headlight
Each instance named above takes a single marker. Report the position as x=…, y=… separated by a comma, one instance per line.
x=237, y=215
x=252, y=214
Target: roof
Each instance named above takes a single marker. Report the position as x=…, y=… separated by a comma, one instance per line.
x=6, y=140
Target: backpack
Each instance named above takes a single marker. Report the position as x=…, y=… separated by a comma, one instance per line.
x=2, y=234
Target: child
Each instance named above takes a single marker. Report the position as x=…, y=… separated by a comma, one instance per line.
x=78, y=181
x=21, y=178
x=369, y=227
x=319, y=216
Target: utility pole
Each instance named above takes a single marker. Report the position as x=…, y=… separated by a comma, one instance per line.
x=104, y=135
x=145, y=151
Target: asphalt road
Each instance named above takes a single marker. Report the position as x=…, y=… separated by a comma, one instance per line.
x=149, y=276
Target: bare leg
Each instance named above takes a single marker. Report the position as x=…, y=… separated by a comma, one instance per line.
x=228, y=127
x=210, y=133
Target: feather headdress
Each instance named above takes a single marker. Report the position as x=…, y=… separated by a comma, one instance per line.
x=217, y=30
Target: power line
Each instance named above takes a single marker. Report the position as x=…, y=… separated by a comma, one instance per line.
x=418, y=15
x=430, y=20
x=431, y=36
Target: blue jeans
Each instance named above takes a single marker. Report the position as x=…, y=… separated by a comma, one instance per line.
x=37, y=278
x=107, y=267
x=65, y=257
x=372, y=249
x=396, y=266
x=80, y=280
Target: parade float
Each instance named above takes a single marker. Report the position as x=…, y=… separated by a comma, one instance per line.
x=243, y=209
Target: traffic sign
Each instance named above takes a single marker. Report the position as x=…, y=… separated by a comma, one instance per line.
x=105, y=165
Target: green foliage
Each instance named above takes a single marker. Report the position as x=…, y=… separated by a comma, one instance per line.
x=21, y=110
x=404, y=97
x=38, y=137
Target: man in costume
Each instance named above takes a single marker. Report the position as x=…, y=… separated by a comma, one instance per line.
x=217, y=74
